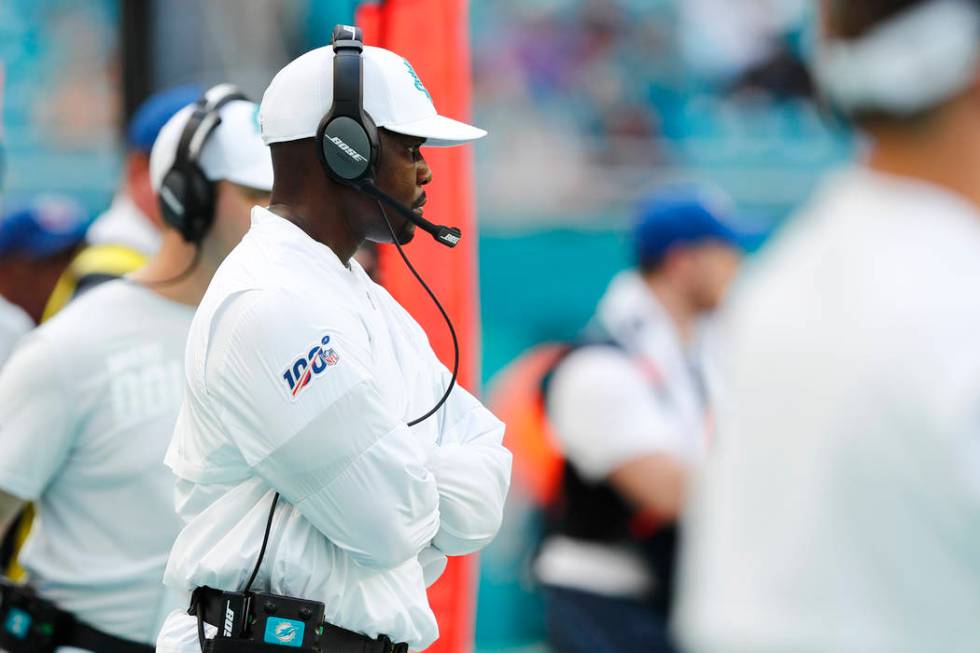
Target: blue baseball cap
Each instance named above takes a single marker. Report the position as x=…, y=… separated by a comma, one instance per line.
x=49, y=225
x=681, y=217
x=155, y=111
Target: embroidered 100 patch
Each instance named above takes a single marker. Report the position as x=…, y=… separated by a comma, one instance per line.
x=305, y=368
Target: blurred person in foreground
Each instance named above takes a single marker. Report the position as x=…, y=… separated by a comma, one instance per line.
x=37, y=243
x=318, y=420
x=629, y=409
x=840, y=510
x=88, y=403
x=122, y=238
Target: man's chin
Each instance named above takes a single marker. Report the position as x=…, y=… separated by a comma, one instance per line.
x=406, y=233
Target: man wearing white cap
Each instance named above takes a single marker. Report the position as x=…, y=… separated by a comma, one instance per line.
x=324, y=468
x=88, y=403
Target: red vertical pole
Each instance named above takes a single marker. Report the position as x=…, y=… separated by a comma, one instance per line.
x=434, y=36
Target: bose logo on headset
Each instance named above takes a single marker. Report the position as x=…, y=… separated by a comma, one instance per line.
x=168, y=196
x=348, y=149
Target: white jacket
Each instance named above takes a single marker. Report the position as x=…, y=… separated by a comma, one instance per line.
x=301, y=376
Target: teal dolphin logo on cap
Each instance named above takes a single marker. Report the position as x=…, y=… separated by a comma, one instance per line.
x=415, y=76
x=256, y=119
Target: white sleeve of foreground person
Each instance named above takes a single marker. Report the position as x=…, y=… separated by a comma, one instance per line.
x=840, y=507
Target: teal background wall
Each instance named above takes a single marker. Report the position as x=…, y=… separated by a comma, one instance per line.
x=541, y=286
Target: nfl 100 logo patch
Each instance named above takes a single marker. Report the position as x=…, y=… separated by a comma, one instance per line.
x=307, y=367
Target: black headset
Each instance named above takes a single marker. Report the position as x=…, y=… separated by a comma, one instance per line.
x=347, y=140
x=186, y=194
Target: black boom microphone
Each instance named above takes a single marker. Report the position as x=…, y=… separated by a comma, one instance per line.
x=448, y=236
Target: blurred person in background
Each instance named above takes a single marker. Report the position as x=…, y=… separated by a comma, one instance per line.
x=117, y=242
x=37, y=243
x=840, y=509
x=629, y=410
x=122, y=238
x=83, y=435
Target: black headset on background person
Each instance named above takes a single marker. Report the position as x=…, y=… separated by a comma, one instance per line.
x=187, y=196
x=347, y=139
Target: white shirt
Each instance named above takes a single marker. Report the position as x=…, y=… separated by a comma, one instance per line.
x=369, y=506
x=87, y=406
x=841, y=508
x=608, y=406
x=14, y=324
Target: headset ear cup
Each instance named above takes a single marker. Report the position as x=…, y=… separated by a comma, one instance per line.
x=172, y=199
x=346, y=149
x=200, y=213
x=187, y=203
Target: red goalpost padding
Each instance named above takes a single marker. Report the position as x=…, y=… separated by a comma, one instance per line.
x=434, y=36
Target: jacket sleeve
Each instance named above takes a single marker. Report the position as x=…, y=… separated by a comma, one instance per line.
x=300, y=402
x=469, y=462
x=472, y=471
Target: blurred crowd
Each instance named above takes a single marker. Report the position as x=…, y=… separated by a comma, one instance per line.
x=604, y=100
x=613, y=96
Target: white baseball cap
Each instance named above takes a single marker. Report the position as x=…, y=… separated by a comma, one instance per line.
x=302, y=92
x=234, y=151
